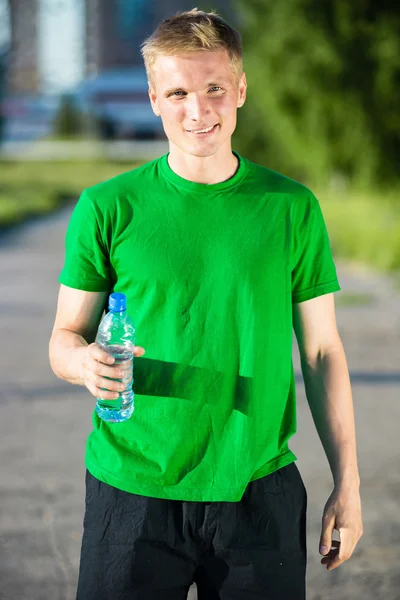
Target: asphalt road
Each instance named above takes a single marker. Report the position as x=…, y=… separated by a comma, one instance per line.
x=44, y=423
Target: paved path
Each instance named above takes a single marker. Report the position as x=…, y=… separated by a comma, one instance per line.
x=44, y=423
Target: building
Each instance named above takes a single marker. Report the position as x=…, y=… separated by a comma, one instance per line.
x=115, y=29
x=23, y=68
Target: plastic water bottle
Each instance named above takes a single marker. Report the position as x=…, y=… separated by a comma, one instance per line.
x=116, y=335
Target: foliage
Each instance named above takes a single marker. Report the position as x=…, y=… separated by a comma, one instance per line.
x=68, y=122
x=322, y=82
x=32, y=188
x=364, y=227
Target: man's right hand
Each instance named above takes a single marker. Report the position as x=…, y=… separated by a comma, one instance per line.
x=99, y=373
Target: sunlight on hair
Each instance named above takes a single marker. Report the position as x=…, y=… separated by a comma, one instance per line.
x=189, y=32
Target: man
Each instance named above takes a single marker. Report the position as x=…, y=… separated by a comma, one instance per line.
x=219, y=258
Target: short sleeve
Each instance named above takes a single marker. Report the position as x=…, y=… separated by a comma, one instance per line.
x=313, y=267
x=87, y=264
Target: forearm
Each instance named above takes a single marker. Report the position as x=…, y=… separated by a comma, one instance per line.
x=65, y=353
x=328, y=392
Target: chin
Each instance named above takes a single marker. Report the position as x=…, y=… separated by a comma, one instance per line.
x=202, y=152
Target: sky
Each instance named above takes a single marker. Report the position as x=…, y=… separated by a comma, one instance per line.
x=61, y=42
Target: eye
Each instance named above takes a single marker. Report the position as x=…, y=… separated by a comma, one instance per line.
x=178, y=93
x=215, y=88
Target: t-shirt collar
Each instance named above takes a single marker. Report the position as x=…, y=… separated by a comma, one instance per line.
x=203, y=187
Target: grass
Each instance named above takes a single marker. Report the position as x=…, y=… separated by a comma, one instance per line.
x=352, y=299
x=363, y=227
x=30, y=188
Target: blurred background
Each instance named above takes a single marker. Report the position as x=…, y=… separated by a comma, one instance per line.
x=322, y=108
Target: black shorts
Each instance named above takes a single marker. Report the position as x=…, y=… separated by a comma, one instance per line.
x=140, y=548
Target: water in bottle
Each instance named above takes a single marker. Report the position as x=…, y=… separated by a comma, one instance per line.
x=116, y=335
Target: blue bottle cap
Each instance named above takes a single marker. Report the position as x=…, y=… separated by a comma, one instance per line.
x=117, y=302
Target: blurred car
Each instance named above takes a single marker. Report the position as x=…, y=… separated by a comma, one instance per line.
x=28, y=118
x=119, y=102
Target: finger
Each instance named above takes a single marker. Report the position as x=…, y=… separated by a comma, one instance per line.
x=327, y=560
x=97, y=392
x=331, y=554
x=334, y=545
x=334, y=563
x=112, y=385
x=138, y=351
x=102, y=356
x=116, y=371
x=334, y=548
x=96, y=352
x=345, y=550
x=325, y=543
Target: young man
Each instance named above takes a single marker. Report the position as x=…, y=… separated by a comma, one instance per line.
x=219, y=259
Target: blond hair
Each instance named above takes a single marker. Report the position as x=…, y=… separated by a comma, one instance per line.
x=189, y=32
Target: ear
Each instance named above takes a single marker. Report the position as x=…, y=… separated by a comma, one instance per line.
x=153, y=100
x=242, y=91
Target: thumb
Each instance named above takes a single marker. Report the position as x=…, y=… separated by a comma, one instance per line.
x=325, y=541
x=138, y=351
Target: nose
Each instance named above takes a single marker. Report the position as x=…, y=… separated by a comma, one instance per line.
x=197, y=107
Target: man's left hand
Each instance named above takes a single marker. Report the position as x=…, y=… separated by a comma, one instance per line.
x=343, y=513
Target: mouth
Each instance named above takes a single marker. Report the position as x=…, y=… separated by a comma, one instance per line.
x=206, y=131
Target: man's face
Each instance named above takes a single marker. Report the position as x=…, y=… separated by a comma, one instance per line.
x=197, y=92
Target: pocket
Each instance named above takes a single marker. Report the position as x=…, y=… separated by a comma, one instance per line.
x=113, y=516
x=99, y=493
x=272, y=516
x=292, y=476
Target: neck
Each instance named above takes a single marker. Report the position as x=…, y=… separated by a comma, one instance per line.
x=219, y=167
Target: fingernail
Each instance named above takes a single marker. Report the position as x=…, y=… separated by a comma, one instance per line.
x=323, y=549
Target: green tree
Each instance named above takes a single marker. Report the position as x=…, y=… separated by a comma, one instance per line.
x=3, y=75
x=68, y=121
x=323, y=78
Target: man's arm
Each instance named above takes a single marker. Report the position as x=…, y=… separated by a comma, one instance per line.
x=327, y=384
x=328, y=391
x=77, y=319
x=74, y=356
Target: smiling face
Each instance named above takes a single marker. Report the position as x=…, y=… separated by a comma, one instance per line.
x=197, y=96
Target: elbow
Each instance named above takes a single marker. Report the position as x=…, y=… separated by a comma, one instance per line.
x=54, y=355
x=312, y=358
x=52, y=358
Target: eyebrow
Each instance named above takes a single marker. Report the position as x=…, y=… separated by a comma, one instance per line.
x=212, y=84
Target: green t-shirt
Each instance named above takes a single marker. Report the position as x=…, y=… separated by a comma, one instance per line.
x=210, y=273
